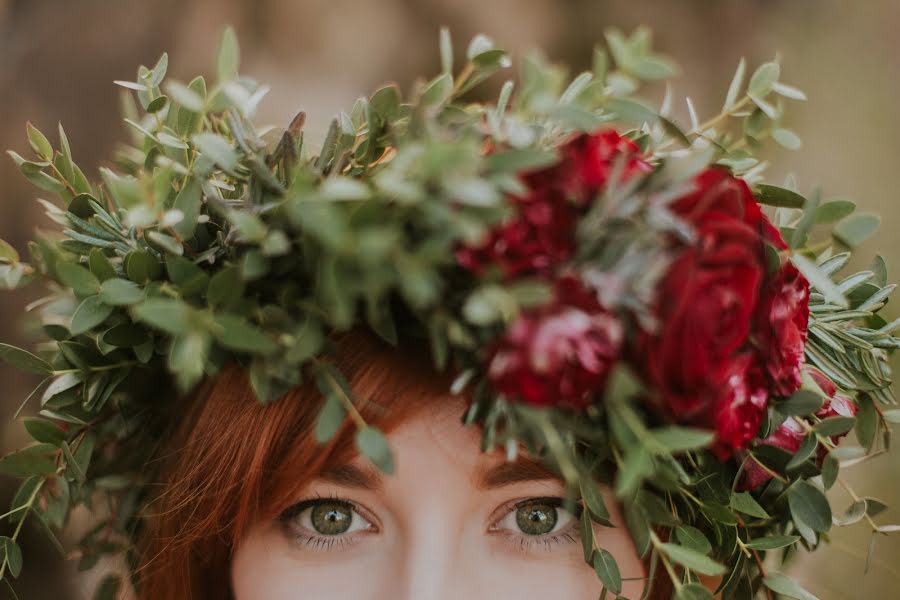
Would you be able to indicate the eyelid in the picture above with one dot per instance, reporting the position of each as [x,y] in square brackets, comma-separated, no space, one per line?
[507,507]
[289,515]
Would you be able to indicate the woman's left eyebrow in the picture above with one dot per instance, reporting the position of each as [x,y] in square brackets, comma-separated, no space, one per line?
[352,476]
[508,473]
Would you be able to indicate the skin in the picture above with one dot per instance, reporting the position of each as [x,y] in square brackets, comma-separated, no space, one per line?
[443,526]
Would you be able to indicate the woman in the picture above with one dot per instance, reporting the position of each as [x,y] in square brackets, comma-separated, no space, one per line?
[250,493]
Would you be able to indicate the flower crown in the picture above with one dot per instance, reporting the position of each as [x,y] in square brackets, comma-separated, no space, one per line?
[614,299]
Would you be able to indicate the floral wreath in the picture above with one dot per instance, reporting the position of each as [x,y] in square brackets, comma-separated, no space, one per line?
[604,283]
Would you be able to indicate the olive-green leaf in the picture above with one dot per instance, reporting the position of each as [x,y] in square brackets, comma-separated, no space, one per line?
[607,570]
[693,591]
[39,142]
[169,315]
[772,543]
[374,446]
[44,431]
[693,538]
[22,359]
[217,148]
[237,333]
[81,280]
[13,555]
[778,196]
[784,585]
[331,417]
[856,229]
[228,56]
[120,292]
[800,403]
[809,506]
[678,439]
[747,504]
[31,460]
[91,312]
[692,559]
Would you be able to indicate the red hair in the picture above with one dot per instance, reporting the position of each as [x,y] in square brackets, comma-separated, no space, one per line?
[233,462]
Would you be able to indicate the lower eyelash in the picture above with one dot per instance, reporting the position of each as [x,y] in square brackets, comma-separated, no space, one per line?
[547,543]
[323,543]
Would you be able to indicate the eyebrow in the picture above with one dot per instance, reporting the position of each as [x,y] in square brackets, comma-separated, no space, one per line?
[352,476]
[509,473]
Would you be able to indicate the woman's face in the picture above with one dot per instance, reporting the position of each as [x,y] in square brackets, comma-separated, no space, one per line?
[452,522]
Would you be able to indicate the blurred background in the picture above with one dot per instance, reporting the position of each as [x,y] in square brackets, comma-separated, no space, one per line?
[58,59]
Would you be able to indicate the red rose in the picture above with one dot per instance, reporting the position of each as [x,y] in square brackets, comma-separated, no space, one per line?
[738,408]
[706,298]
[559,354]
[540,236]
[781,329]
[587,162]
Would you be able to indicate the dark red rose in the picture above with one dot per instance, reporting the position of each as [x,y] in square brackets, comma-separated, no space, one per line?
[587,162]
[540,235]
[559,354]
[781,329]
[707,297]
[790,434]
[738,408]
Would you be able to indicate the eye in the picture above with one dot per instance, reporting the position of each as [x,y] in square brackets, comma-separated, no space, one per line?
[325,517]
[536,517]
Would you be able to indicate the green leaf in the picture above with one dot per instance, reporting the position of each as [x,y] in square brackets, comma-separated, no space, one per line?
[856,229]
[607,570]
[44,431]
[217,149]
[24,360]
[806,449]
[91,312]
[772,543]
[81,280]
[12,554]
[819,280]
[809,506]
[185,96]
[678,439]
[39,142]
[31,460]
[237,333]
[747,504]
[692,559]
[228,56]
[169,315]
[854,513]
[593,500]
[782,584]
[120,292]
[833,211]
[735,87]
[787,138]
[773,195]
[519,160]
[834,425]
[100,266]
[693,591]
[374,446]
[801,403]
[763,78]
[331,417]
[693,538]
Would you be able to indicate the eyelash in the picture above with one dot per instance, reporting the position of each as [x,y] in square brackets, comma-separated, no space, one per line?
[523,542]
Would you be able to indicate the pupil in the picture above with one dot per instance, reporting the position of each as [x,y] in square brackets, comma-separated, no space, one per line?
[536,518]
[331,518]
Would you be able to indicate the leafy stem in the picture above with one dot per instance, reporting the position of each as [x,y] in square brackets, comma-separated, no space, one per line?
[15,536]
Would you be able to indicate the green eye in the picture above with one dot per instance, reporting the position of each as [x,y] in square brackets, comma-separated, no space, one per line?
[331,518]
[537,517]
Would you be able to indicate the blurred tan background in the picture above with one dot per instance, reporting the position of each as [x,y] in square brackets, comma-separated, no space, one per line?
[58,59]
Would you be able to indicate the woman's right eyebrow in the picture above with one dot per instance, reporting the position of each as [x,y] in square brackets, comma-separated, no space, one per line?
[352,476]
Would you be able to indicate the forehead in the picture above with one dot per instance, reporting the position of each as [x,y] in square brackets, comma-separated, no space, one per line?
[434,444]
